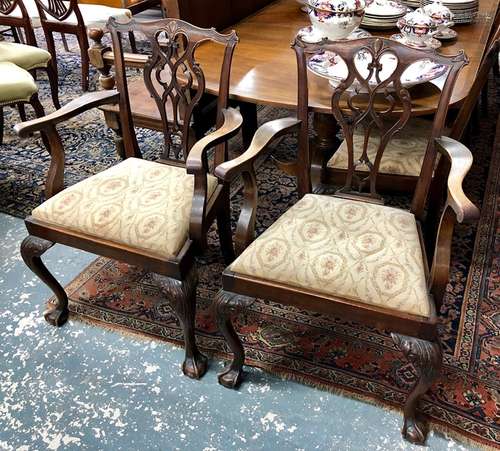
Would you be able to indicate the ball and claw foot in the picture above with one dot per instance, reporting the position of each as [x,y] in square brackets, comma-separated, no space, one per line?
[415,431]
[195,366]
[230,377]
[56,316]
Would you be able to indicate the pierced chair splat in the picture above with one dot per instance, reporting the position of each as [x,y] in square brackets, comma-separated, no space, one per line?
[349,255]
[154,214]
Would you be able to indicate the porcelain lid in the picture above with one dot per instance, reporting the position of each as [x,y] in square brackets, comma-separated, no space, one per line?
[338,5]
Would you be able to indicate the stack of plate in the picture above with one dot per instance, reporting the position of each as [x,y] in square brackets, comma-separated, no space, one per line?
[464,11]
[412,3]
[383,14]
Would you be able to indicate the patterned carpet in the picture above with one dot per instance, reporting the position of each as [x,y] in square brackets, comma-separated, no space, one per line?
[308,347]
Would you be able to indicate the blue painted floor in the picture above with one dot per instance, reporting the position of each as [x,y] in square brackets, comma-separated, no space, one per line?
[83,387]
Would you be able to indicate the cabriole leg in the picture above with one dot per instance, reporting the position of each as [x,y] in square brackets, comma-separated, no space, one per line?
[32,248]
[182,297]
[426,357]
[225,304]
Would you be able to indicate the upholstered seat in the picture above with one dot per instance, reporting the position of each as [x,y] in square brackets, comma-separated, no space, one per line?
[403,155]
[138,203]
[343,248]
[16,84]
[26,56]
[98,15]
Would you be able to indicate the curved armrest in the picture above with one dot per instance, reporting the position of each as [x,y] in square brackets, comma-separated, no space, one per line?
[457,208]
[263,137]
[196,159]
[71,109]
[461,159]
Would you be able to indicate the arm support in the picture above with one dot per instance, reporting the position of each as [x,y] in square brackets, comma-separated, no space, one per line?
[197,164]
[460,159]
[458,208]
[197,159]
[47,126]
[71,109]
[244,166]
[263,137]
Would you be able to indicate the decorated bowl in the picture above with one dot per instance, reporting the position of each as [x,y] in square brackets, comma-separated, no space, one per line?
[417,27]
[440,13]
[336,19]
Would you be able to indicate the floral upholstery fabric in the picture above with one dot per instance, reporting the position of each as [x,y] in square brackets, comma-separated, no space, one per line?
[26,56]
[365,252]
[16,84]
[138,203]
[403,155]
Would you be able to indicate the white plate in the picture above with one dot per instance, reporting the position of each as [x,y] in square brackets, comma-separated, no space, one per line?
[331,66]
[312,36]
[385,8]
[446,35]
[430,44]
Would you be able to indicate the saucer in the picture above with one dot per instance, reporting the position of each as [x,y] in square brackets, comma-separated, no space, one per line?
[446,35]
[431,44]
[312,36]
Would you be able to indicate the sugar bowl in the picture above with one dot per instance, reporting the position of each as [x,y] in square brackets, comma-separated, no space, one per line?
[336,19]
[442,15]
[417,28]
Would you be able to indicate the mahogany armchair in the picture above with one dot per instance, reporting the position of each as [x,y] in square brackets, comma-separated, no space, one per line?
[400,168]
[152,214]
[349,255]
[73,18]
[17,14]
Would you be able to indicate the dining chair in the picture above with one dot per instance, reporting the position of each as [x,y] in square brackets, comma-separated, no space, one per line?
[23,15]
[348,254]
[402,161]
[153,214]
[17,87]
[70,17]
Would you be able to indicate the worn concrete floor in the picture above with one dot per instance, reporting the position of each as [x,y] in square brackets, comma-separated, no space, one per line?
[83,387]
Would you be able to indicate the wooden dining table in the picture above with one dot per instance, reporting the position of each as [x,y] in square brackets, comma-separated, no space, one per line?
[264,70]
[264,65]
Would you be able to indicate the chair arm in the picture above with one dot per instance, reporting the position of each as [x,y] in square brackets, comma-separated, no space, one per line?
[244,166]
[263,137]
[460,158]
[196,160]
[71,109]
[458,208]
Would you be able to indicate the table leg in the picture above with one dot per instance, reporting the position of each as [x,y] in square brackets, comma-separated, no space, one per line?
[323,147]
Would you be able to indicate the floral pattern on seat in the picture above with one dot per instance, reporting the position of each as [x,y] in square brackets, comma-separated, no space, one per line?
[343,248]
[403,155]
[138,203]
